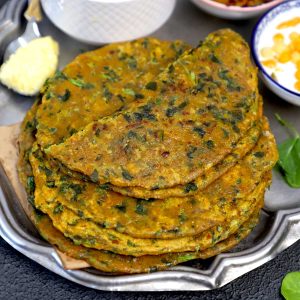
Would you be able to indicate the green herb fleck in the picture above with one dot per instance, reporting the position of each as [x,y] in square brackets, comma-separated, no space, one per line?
[152,85]
[81,83]
[140,208]
[182,217]
[110,75]
[214,58]
[65,96]
[30,184]
[60,75]
[190,187]
[52,129]
[130,243]
[186,257]
[210,144]
[126,175]
[94,176]
[50,184]
[121,207]
[58,209]
[129,92]
[191,151]
[171,111]
[231,84]
[132,62]
[201,132]
[104,186]
[107,93]
[259,154]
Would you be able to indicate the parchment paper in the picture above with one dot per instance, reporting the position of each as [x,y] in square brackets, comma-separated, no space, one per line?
[8,159]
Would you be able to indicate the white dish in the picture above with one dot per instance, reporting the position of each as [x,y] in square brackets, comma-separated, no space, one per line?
[233,12]
[107,21]
[262,35]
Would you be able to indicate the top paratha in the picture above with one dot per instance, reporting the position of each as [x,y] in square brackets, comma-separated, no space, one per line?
[206,100]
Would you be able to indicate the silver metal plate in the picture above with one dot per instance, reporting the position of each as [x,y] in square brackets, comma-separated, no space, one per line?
[279,226]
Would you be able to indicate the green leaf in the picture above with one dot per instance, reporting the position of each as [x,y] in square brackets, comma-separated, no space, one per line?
[290,287]
[289,161]
[289,156]
[287,125]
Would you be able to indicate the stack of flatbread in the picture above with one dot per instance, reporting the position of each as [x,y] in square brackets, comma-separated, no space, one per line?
[145,154]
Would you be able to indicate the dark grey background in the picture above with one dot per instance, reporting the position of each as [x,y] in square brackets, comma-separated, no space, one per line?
[21,278]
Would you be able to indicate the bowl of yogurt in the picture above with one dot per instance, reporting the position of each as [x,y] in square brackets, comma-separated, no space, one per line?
[276,50]
[99,22]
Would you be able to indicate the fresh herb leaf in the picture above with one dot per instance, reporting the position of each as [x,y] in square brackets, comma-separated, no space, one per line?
[289,156]
[290,287]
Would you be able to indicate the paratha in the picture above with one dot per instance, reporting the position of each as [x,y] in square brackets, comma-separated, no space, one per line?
[98,83]
[96,236]
[164,218]
[127,221]
[113,263]
[206,99]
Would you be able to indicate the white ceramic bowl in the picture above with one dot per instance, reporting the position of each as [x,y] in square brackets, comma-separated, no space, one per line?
[234,12]
[261,33]
[106,21]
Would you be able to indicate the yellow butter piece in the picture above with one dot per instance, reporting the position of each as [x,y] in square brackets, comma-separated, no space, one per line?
[28,68]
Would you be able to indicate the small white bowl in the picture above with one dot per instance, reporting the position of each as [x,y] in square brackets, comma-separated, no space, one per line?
[260,33]
[234,12]
[107,21]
